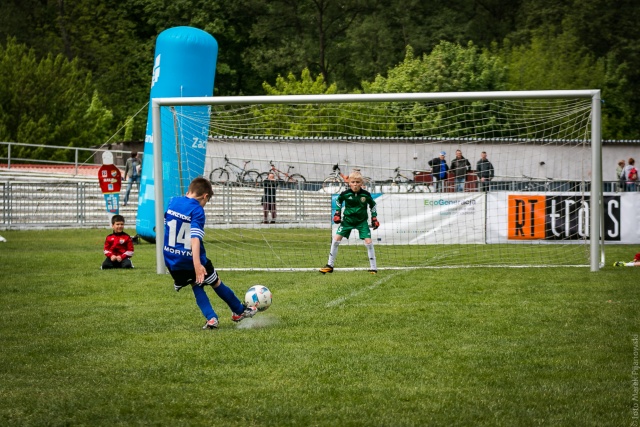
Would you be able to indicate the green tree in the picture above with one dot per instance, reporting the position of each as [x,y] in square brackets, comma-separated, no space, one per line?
[450,67]
[554,62]
[299,34]
[49,101]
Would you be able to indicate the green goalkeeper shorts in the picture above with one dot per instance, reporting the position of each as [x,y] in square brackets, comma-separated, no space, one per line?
[363,230]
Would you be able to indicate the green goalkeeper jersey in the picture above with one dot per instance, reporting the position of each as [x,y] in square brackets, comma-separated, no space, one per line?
[355,206]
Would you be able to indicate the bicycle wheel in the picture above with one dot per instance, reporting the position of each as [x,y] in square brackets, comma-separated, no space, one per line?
[251,178]
[296,181]
[219,176]
[369,184]
[403,183]
[401,179]
[333,184]
[262,177]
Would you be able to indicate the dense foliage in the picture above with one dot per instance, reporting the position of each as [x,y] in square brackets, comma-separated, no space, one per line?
[353,45]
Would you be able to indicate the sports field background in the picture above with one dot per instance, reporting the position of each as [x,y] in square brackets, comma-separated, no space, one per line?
[438,347]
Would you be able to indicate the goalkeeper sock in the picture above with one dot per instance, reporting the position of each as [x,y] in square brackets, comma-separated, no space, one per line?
[227,295]
[203,302]
[333,253]
[372,256]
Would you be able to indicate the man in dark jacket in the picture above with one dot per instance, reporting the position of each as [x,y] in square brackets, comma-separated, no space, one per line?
[460,166]
[484,169]
[439,170]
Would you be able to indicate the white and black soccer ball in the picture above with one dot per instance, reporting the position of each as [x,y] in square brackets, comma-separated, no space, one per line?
[258,296]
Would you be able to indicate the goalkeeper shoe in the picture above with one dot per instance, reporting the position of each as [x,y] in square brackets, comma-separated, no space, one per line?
[211,324]
[618,264]
[326,269]
[248,312]
[373,271]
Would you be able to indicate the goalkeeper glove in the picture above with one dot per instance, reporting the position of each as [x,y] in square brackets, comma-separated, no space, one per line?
[374,223]
[336,217]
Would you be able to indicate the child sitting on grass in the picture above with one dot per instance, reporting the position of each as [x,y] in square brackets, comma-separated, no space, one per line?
[118,246]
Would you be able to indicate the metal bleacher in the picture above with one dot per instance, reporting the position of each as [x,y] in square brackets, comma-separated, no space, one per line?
[44,200]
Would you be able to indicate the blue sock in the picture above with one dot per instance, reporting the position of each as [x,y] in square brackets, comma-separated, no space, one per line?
[230,298]
[203,302]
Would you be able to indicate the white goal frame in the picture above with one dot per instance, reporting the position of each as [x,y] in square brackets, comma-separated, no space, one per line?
[596,205]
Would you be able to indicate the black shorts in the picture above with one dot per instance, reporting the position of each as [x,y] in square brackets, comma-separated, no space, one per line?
[183,278]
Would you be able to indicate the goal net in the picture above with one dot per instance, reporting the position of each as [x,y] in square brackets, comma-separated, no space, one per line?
[523,185]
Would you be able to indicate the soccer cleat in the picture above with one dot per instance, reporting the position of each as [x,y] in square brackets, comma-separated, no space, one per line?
[373,271]
[211,324]
[248,312]
[326,269]
[618,264]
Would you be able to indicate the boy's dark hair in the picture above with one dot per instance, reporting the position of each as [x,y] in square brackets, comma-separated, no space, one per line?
[200,186]
[134,154]
[117,218]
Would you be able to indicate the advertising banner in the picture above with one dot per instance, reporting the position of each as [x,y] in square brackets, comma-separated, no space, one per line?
[555,217]
[427,218]
[503,217]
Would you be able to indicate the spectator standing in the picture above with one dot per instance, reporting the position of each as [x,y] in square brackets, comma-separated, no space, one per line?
[631,174]
[269,198]
[485,172]
[460,166]
[439,170]
[620,175]
[132,170]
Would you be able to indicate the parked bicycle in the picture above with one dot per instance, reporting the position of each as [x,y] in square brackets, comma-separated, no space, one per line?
[401,180]
[336,182]
[285,179]
[242,175]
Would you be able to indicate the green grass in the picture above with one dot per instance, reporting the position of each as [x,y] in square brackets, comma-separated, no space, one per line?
[474,346]
[286,248]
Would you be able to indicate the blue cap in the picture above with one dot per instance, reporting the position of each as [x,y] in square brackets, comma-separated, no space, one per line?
[442,153]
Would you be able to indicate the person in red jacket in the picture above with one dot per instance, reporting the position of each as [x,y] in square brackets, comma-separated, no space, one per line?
[118,246]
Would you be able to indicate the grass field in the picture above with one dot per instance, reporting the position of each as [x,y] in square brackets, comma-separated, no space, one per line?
[432,347]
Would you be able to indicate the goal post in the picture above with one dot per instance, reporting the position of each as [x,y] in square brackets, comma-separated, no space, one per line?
[433,118]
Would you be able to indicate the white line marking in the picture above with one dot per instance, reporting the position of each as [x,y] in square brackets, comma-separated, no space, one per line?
[360,291]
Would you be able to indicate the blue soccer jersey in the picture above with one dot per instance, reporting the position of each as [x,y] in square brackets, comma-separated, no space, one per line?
[183,220]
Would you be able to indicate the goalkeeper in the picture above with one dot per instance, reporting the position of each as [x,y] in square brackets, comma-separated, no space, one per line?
[356,200]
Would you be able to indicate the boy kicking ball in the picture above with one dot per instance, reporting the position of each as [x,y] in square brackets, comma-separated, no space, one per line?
[356,200]
[186,258]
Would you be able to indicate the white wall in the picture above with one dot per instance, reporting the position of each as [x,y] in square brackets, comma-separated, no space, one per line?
[313,158]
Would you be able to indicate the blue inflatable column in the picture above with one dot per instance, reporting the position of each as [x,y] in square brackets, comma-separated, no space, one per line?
[184,66]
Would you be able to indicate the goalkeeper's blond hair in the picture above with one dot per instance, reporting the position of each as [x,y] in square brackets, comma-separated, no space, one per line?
[355,176]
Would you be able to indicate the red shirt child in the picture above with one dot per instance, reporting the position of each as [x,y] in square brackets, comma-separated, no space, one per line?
[118,246]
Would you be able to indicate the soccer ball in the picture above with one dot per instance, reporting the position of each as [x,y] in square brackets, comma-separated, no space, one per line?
[258,296]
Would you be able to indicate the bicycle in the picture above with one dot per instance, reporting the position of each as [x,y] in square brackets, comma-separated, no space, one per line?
[287,179]
[243,176]
[337,183]
[421,180]
[399,179]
